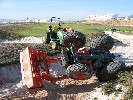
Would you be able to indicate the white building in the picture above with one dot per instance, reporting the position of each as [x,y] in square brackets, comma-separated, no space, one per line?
[129,17]
[121,18]
[102,17]
[40,20]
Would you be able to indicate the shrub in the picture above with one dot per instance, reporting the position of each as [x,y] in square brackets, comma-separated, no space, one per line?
[9,32]
[10,52]
[126,78]
[108,88]
[129,94]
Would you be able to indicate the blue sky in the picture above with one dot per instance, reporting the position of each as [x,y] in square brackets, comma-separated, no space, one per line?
[65,9]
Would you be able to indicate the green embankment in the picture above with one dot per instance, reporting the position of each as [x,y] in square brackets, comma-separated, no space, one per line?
[37,29]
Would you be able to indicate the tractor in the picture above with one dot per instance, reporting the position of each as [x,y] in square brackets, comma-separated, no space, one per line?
[62,37]
[78,62]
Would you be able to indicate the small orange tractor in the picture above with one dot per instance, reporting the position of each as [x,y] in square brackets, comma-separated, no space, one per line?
[77,62]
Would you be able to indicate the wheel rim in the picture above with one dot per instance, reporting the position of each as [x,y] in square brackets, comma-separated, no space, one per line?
[68,42]
[77,43]
[79,75]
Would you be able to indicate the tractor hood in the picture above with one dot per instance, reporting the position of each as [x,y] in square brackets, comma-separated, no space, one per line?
[60,35]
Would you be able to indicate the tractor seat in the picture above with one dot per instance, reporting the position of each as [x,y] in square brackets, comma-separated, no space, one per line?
[54,33]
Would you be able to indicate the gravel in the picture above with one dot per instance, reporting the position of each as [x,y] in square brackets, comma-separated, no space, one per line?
[29,39]
[123,50]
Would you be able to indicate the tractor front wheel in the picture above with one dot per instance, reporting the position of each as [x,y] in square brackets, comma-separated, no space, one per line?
[79,71]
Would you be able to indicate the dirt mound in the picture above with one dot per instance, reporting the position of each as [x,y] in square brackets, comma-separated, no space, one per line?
[10,51]
[113,22]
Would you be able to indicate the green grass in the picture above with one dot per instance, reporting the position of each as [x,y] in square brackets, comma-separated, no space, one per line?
[38,29]
[86,28]
[124,28]
[34,30]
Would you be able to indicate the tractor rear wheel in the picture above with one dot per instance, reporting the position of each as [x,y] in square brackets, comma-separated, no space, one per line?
[103,41]
[79,71]
[74,37]
[110,71]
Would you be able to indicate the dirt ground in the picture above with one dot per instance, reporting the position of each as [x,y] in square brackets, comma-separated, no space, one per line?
[72,90]
[69,89]
[113,22]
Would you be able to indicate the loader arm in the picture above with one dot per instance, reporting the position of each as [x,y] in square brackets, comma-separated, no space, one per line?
[32,76]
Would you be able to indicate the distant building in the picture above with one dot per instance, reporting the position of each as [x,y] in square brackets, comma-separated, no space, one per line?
[129,17]
[41,20]
[102,17]
[121,18]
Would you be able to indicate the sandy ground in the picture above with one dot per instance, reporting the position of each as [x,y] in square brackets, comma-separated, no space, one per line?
[123,51]
[71,89]
[74,90]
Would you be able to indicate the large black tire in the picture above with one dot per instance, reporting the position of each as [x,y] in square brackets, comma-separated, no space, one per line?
[74,37]
[110,71]
[103,41]
[81,69]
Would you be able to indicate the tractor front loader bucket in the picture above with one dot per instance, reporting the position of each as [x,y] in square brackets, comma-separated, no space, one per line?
[31,75]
